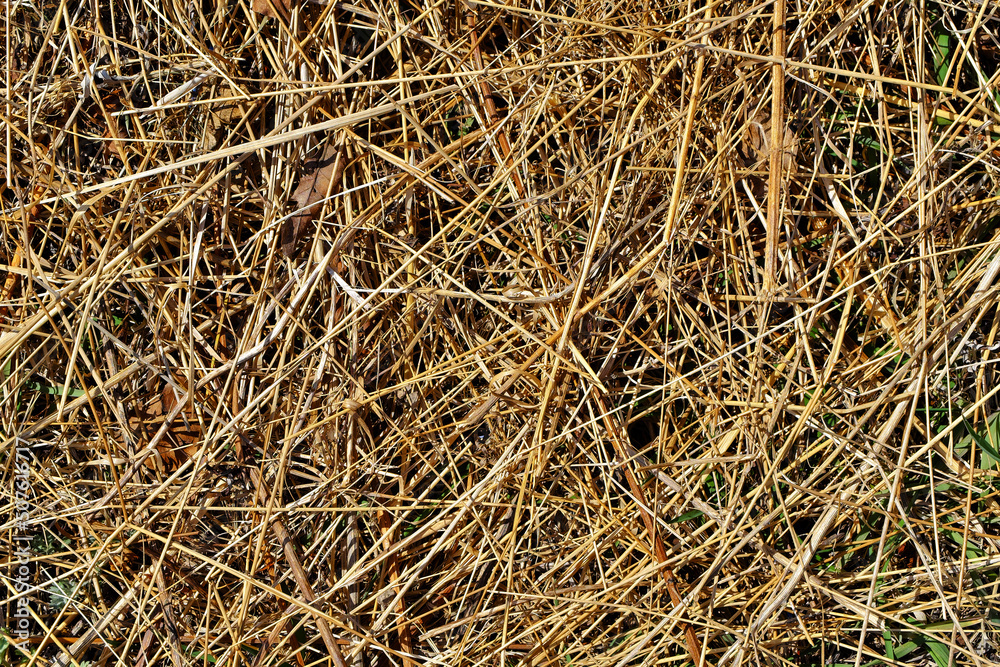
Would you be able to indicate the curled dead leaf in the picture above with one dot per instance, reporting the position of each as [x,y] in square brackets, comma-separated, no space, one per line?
[757,140]
[182,439]
[222,114]
[273,8]
[322,179]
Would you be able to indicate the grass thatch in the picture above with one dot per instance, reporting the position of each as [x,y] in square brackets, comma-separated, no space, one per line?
[540,333]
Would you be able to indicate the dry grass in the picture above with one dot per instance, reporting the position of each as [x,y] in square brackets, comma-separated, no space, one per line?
[543,333]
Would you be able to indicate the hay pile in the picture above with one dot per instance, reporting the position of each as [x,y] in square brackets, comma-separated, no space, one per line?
[491,334]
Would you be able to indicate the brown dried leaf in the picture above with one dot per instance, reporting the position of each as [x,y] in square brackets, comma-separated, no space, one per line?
[181,441]
[223,114]
[322,179]
[758,140]
[268,7]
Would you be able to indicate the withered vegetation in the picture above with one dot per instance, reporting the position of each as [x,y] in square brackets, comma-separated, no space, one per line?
[486,333]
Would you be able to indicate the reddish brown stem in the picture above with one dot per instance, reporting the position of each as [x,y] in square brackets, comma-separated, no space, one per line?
[489,106]
[659,550]
[298,573]
[776,175]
